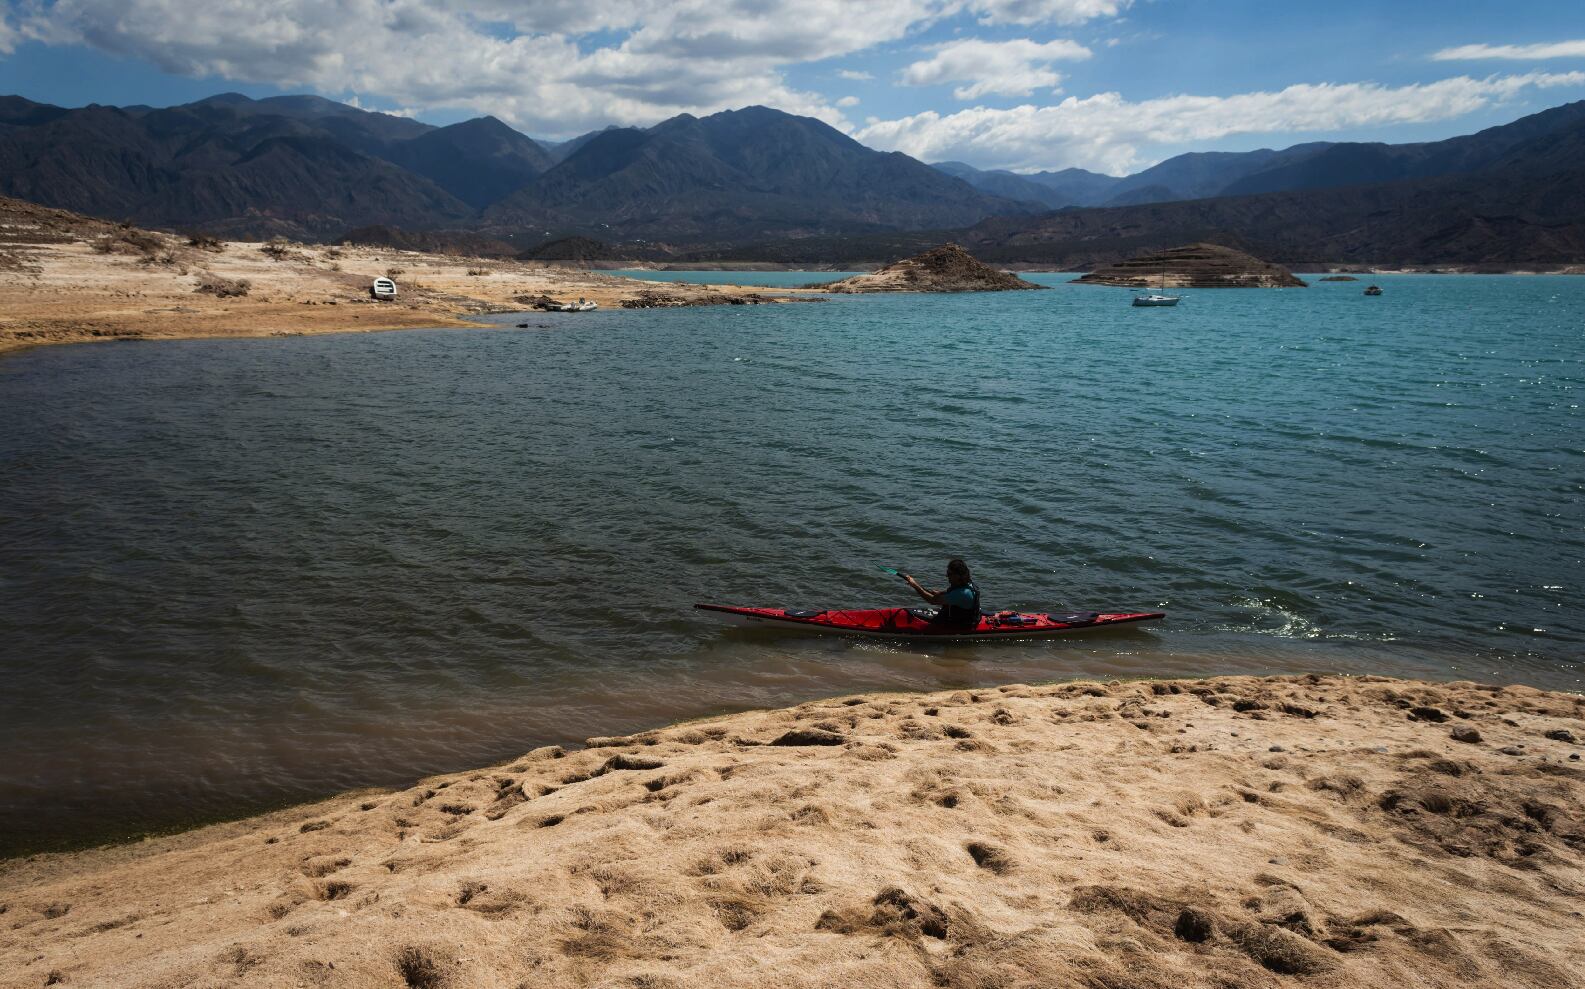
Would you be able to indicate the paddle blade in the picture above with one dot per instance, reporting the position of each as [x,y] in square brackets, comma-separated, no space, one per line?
[894,572]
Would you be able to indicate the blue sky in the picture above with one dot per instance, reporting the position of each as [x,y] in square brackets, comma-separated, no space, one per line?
[1112,85]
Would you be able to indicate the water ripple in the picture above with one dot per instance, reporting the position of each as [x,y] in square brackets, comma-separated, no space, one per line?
[237,573]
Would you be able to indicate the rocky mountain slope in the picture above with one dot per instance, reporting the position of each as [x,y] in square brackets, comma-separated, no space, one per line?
[228,164]
[763,185]
[1328,166]
[311,168]
[1317,165]
[1066,187]
[1527,207]
[1199,174]
[479,161]
[737,175]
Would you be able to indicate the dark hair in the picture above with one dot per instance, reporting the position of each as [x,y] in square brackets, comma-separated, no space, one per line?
[958,573]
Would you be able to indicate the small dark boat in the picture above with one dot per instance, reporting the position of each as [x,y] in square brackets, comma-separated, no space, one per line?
[1373,290]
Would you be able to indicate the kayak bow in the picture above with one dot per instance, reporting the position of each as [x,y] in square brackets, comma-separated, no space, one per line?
[918,623]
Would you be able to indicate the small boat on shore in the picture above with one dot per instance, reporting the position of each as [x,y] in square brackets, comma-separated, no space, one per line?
[919,624]
[383,289]
[582,305]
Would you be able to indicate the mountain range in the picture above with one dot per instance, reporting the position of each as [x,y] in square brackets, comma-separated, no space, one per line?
[309,167]
[735,175]
[1054,190]
[789,188]
[1513,194]
[1508,195]
[1318,165]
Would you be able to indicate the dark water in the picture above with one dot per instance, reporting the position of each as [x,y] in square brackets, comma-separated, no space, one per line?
[237,573]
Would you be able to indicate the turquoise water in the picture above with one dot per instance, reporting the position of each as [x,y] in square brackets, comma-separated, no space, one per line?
[771,279]
[242,572]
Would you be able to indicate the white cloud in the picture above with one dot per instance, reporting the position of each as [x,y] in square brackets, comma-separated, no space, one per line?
[559,67]
[8,37]
[401,111]
[559,16]
[1549,49]
[1011,68]
[1105,131]
[749,29]
[554,67]
[1027,12]
[532,64]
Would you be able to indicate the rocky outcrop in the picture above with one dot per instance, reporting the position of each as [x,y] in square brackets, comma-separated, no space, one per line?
[1194,266]
[948,268]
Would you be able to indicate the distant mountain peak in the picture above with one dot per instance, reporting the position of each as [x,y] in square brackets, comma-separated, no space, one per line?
[1054,190]
[757,111]
[484,124]
[755,172]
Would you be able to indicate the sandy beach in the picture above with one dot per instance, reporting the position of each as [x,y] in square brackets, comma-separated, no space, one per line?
[1294,830]
[66,278]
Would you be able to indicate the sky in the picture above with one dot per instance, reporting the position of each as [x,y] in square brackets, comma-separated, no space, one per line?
[1108,85]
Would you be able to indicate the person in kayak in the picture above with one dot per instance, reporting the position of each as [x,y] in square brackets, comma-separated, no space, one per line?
[960,602]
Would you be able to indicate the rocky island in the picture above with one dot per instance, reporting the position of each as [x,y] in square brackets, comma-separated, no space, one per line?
[1194,266]
[948,268]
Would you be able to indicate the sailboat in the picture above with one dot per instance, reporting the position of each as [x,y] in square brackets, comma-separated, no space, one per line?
[1157,298]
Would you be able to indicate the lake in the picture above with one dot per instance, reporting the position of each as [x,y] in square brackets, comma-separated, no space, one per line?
[240,573]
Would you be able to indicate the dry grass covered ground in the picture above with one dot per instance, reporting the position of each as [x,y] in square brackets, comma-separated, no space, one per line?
[1314,831]
[66,278]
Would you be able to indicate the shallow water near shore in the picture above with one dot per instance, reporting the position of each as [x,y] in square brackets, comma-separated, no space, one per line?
[237,573]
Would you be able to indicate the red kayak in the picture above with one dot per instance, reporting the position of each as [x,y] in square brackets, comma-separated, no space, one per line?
[918,623]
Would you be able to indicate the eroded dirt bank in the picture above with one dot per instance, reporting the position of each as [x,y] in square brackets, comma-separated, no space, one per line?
[66,278]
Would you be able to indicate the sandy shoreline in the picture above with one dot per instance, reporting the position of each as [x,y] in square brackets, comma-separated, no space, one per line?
[1236,831]
[66,278]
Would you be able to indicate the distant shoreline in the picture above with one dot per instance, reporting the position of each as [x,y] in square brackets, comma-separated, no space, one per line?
[66,278]
[1298,268]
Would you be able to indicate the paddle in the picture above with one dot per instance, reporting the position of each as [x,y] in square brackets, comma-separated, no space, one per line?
[894,572]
